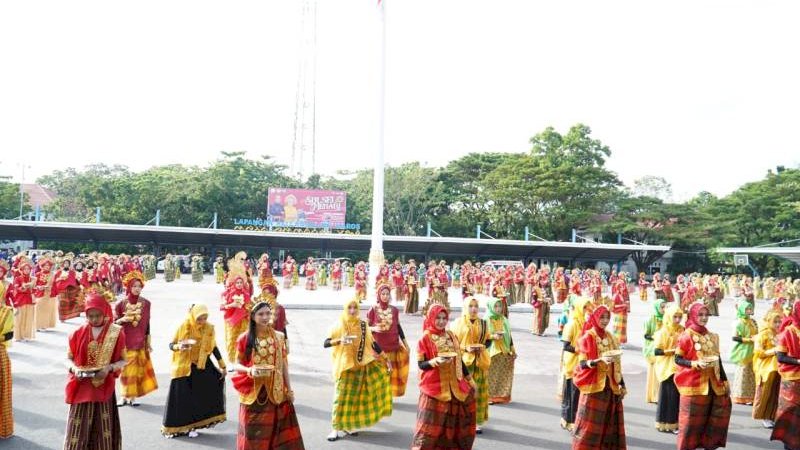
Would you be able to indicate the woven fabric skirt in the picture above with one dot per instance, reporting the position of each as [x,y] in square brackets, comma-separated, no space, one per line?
[600,423]
[481,393]
[363,397]
[501,378]
[399,375]
[194,402]
[25,322]
[46,312]
[787,419]
[703,421]
[541,318]
[6,412]
[70,303]
[138,378]
[265,425]
[232,333]
[669,402]
[412,302]
[444,425]
[765,405]
[621,327]
[93,426]
[743,389]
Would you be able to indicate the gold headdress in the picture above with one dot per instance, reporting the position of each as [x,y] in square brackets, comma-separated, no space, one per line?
[236,269]
[132,276]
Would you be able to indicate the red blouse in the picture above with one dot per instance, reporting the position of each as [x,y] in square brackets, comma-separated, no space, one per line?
[84,351]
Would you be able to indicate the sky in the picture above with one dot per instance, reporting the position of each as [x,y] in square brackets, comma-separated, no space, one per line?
[703,93]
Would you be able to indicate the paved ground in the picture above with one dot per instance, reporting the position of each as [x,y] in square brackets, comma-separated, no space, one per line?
[531,421]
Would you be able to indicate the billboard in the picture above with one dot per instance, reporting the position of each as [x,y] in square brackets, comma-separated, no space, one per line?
[306,207]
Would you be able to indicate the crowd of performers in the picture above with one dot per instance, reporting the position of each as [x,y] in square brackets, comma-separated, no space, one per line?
[465,363]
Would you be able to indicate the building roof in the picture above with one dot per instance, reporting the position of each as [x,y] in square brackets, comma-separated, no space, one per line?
[417,245]
[38,195]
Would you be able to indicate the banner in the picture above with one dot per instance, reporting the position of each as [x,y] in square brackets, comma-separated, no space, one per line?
[306,207]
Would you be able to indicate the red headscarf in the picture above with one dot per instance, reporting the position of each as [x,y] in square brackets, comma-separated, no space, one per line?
[430,319]
[793,318]
[98,302]
[594,321]
[691,320]
[382,287]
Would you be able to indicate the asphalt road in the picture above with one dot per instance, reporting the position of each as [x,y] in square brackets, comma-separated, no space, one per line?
[530,421]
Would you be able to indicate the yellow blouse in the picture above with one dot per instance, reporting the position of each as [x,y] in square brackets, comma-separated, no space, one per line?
[765,361]
[470,332]
[666,340]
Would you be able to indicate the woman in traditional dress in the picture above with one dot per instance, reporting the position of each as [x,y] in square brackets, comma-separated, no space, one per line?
[288,270]
[570,395]
[363,387]
[22,299]
[652,325]
[361,282]
[6,334]
[765,366]
[236,307]
[540,300]
[643,284]
[46,308]
[219,270]
[96,357]
[560,284]
[705,409]
[620,309]
[502,353]
[787,418]
[744,382]
[665,341]
[600,422]
[336,276]
[67,286]
[267,418]
[197,269]
[351,275]
[446,408]
[384,321]
[133,314]
[412,282]
[311,275]
[196,397]
[473,337]
[169,268]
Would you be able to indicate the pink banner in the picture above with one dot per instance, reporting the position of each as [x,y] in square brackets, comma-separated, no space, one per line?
[306,207]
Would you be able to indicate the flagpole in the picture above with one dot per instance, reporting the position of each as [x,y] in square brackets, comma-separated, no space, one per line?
[376,257]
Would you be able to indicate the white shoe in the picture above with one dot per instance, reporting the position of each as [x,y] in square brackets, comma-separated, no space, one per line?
[768,424]
[335,435]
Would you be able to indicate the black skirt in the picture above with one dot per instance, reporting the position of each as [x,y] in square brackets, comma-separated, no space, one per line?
[570,396]
[194,402]
[669,401]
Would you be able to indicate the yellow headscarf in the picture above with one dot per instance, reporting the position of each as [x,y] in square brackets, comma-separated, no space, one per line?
[668,322]
[766,321]
[578,314]
[470,329]
[206,342]
[359,352]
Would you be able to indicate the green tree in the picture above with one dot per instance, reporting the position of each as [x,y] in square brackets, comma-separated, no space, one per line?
[9,200]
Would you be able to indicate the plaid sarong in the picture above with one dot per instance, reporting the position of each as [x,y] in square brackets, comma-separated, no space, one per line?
[600,422]
[399,375]
[363,397]
[703,421]
[268,426]
[138,377]
[501,378]
[481,379]
[787,420]
[93,426]
[444,425]
[621,327]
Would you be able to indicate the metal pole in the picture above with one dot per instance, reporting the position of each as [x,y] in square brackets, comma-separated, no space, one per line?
[215,221]
[21,191]
[526,233]
[97,215]
[429,228]
[619,238]
[478,231]
[574,235]
[158,217]
[376,257]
